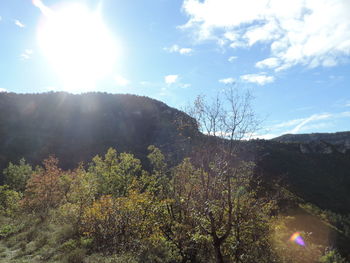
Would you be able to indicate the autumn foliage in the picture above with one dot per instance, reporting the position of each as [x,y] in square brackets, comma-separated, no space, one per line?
[205,209]
[43,190]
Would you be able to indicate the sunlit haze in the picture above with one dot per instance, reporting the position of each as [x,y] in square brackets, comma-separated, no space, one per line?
[77,44]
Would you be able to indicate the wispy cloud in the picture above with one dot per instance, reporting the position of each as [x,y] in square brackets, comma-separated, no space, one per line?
[312,123]
[260,79]
[232,58]
[121,81]
[305,32]
[43,8]
[19,23]
[178,49]
[312,118]
[268,63]
[26,54]
[227,81]
[171,79]
[3,90]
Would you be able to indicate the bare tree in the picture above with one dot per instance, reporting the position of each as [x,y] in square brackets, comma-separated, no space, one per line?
[228,116]
[219,200]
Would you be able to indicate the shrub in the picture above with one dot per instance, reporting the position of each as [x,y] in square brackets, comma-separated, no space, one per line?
[9,201]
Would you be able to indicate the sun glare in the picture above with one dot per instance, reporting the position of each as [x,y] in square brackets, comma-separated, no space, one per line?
[77,44]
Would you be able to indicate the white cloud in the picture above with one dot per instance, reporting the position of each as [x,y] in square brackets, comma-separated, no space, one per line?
[260,79]
[307,32]
[312,123]
[268,63]
[121,81]
[180,50]
[227,81]
[289,123]
[171,79]
[232,58]
[3,90]
[19,23]
[312,118]
[26,54]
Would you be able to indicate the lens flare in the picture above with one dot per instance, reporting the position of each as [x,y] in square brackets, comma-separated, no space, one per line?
[296,238]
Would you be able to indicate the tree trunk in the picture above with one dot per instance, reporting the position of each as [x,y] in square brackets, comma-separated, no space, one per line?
[218,254]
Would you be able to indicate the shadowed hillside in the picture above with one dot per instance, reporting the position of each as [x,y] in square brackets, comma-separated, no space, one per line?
[77,127]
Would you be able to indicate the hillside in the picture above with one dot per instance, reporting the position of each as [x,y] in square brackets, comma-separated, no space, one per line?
[318,142]
[77,127]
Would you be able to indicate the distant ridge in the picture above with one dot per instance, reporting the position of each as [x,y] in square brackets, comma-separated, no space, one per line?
[336,138]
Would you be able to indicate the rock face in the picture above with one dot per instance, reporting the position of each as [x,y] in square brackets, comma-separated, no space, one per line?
[324,143]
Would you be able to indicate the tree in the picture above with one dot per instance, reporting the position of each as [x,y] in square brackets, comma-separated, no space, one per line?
[219,193]
[80,190]
[115,173]
[9,201]
[228,116]
[120,224]
[16,176]
[44,190]
[158,181]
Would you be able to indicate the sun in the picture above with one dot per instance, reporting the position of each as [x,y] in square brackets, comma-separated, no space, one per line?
[77,44]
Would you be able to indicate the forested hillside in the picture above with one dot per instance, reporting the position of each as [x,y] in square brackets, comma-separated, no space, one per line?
[77,127]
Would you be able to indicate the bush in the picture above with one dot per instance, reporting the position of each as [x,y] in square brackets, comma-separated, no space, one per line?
[7,230]
[69,245]
[332,256]
[9,201]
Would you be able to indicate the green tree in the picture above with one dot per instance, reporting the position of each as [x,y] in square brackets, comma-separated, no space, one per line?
[158,182]
[16,175]
[120,224]
[220,209]
[115,173]
[9,201]
[80,190]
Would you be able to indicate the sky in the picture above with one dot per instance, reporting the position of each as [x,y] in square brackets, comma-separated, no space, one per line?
[293,56]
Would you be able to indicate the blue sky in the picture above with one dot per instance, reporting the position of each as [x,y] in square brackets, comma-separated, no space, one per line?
[293,56]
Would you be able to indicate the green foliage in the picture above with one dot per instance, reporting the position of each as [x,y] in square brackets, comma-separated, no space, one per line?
[115,172]
[9,201]
[7,230]
[16,176]
[202,210]
[119,224]
[158,182]
[69,245]
[332,256]
[80,188]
